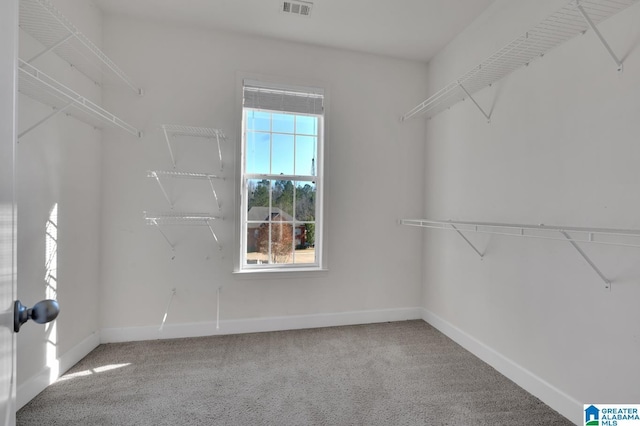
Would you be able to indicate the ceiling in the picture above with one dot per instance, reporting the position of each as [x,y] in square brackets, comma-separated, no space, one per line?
[407,29]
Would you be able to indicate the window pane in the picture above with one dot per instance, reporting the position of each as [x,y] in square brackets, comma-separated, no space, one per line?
[256,253]
[258,200]
[306,125]
[306,155]
[282,200]
[305,239]
[305,201]
[270,243]
[258,120]
[258,152]
[283,123]
[282,160]
[281,242]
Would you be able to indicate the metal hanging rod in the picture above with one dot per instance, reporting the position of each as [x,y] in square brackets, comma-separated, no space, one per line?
[182,219]
[573,19]
[43,88]
[202,132]
[157,174]
[45,23]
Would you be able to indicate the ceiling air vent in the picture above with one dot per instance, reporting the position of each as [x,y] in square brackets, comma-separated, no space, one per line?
[301,8]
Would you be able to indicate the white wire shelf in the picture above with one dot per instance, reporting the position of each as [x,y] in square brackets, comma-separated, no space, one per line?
[573,19]
[182,219]
[198,219]
[571,234]
[201,132]
[604,236]
[43,88]
[205,132]
[192,219]
[182,175]
[41,20]
[157,174]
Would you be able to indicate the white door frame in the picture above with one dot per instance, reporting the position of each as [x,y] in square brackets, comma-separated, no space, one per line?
[8,111]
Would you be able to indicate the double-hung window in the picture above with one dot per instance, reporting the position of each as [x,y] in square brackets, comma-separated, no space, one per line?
[281,172]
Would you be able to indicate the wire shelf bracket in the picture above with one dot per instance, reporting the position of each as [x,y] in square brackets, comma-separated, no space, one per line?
[607,283]
[43,88]
[487,116]
[574,235]
[157,174]
[575,18]
[49,49]
[195,219]
[45,23]
[467,241]
[172,130]
[593,27]
[55,112]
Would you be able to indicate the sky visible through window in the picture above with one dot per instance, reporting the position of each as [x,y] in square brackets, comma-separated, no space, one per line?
[281,143]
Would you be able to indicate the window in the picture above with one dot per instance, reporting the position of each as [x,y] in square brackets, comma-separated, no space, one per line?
[282,147]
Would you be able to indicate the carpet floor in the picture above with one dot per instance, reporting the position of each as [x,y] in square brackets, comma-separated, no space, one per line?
[400,373]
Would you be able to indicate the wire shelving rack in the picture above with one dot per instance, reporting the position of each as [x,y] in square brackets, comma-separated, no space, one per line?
[572,234]
[157,174]
[45,89]
[45,23]
[172,130]
[573,19]
[182,219]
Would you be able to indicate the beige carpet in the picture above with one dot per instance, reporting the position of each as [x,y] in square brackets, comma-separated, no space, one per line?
[403,373]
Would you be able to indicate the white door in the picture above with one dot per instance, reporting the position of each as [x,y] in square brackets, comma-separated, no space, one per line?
[8,55]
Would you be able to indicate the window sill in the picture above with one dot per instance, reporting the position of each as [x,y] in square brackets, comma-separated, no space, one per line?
[262,274]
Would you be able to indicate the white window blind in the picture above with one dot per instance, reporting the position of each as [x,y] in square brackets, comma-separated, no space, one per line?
[258,95]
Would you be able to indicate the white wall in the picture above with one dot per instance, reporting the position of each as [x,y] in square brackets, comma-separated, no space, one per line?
[373,177]
[561,149]
[58,163]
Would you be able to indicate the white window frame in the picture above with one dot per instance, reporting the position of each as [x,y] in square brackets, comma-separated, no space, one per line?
[319,265]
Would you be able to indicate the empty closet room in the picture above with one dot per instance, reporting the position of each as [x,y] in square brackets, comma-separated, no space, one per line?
[429,181]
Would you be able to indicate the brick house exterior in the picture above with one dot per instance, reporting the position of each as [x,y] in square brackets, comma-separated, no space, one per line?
[259,216]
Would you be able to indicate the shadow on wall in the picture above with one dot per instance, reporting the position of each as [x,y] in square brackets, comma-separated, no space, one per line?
[51,289]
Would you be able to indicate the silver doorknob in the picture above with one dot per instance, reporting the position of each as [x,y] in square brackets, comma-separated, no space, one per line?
[42,313]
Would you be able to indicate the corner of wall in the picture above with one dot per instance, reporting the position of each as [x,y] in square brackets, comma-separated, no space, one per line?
[535,385]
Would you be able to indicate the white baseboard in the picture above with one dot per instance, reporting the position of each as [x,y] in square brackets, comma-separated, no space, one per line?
[547,393]
[36,384]
[256,325]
